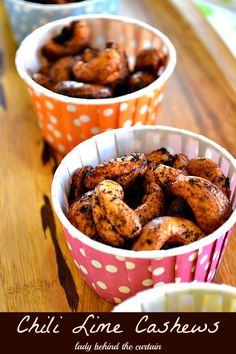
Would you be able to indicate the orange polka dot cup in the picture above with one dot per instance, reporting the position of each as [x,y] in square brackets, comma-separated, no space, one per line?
[67,121]
[117,274]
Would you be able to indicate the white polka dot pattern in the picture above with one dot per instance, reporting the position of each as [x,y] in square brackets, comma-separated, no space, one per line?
[83,269]
[71,108]
[85,118]
[108,112]
[192,256]
[96,264]
[124,289]
[82,251]
[120,258]
[111,268]
[203,259]
[49,104]
[158,271]
[143,109]
[129,265]
[147,282]
[123,106]
[101,285]
[77,122]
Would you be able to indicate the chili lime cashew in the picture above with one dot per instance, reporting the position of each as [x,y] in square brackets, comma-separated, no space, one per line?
[44,80]
[124,219]
[107,67]
[139,80]
[105,229]
[77,184]
[149,59]
[80,215]
[89,53]
[155,158]
[117,169]
[180,162]
[61,70]
[165,175]
[81,90]
[210,206]
[70,41]
[167,231]
[153,204]
[160,156]
[209,169]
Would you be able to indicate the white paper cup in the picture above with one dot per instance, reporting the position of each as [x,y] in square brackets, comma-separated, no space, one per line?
[116,274]
[185,297]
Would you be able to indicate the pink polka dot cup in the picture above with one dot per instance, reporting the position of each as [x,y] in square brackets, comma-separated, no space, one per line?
[67,121]
[116,274]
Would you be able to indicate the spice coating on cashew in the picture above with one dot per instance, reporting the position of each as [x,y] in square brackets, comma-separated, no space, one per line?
[81,90]
[105,229]
[208,169]
[165,175]
[148,59]
[139,80]
[180,162]
[80,215]
[115,169]
[107,67]
[210,206]
[70,41]
[120,215]
[153,204]
[167,230]
[160,156]
[61,70]
[44,81]
[77,183]
[155,158]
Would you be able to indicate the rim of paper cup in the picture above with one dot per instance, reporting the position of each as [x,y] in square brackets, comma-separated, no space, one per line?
[158,83]
[142,297]
[46,7]
[154,254]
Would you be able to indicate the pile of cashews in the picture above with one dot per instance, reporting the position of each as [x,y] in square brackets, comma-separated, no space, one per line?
[149,201]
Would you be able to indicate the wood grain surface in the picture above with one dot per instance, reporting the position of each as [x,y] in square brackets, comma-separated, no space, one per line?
[37,272]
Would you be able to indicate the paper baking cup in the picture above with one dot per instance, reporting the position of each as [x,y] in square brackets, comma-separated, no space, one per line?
[66,121]
[26,16]
[185,297]
[116,274]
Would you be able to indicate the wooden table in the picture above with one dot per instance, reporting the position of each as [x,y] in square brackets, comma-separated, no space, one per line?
[37,272]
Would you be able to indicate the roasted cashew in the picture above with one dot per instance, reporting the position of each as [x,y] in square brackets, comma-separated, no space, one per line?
[61,70]
[148,59]
[209,169]
[77,184]
[180,162]
[167,231]
[70,41]
[139,80]
[116,169]
[153,204]
[80,215]
[210,206]
[120,215]
[105,68]
[81,90]
[105,229]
